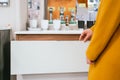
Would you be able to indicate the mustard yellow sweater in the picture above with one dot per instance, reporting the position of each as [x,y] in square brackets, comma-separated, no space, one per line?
[107,21]
[104,47]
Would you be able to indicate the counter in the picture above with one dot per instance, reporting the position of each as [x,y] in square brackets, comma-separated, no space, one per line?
[49,35]
[4,28]
[51,32]
[48,52]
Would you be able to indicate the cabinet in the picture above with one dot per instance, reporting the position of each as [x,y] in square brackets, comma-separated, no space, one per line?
[5,54]
[48,54]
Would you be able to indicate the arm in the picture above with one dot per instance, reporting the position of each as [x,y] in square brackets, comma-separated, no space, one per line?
[107,22]
[92,28]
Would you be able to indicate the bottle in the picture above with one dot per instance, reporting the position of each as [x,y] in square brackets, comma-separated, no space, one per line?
[62,13]
[72,15]
[67,20]
[51,13]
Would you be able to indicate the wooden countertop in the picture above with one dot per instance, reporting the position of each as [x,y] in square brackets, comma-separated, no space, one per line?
[64,35]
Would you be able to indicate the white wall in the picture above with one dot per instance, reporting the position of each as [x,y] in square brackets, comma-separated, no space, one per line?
[15,15]
[8,14]
[21,14]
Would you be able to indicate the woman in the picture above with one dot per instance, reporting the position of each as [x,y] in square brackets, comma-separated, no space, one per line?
[103,53]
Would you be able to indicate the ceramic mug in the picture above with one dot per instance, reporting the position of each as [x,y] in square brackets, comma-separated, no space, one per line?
[44,24]
[56,24]
[33,23]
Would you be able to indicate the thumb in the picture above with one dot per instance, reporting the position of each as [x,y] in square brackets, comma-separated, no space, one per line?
[82,36]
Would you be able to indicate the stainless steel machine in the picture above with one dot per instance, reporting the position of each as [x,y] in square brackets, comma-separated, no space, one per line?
[4,54]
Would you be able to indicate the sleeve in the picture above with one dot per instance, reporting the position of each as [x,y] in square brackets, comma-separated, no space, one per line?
[92,28]
[106,23]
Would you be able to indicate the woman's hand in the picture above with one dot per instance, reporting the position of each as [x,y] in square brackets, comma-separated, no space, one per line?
[89,61]
[86,35]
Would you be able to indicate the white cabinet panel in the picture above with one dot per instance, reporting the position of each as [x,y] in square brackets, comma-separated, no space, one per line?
[36,57]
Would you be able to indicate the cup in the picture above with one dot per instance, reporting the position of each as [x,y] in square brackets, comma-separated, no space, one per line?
[44,24]
[90,24]
[33,23]
[81,24]
[56,24]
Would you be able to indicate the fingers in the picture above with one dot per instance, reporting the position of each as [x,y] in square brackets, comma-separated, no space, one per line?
[86,35]
[89,61]
[86,38]
[82,36]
